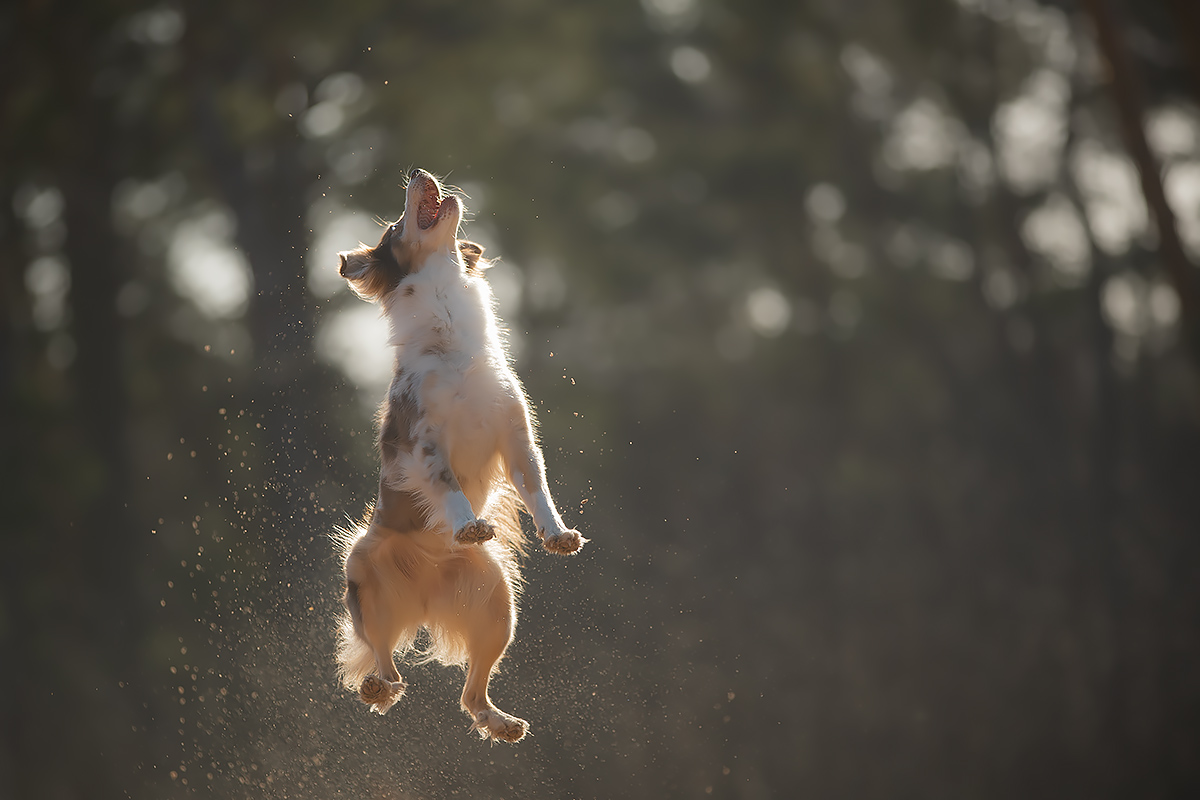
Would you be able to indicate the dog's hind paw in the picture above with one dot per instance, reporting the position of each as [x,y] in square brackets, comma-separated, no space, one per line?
[475,532]
[564,543]
[379,694]
[494,724]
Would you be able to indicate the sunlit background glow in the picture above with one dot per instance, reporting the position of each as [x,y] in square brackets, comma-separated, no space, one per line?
[851,335]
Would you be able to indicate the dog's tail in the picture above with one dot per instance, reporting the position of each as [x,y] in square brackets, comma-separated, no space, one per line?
[355,658]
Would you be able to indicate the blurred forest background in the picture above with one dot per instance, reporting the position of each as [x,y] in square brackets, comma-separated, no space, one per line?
[863,336]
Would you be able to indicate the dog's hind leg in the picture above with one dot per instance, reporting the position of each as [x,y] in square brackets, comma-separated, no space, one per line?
[376,623]
[488,631]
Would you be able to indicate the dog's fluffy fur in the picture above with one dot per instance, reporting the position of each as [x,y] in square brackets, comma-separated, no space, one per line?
[439,549]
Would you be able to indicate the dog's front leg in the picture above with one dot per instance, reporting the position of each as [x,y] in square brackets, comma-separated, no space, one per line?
[446,498]
[527,471]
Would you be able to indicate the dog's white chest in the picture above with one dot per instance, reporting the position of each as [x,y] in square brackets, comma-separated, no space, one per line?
[449,345]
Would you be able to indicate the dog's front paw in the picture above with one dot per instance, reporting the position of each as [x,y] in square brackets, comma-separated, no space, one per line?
[475,532]
[379,694]
[565,543]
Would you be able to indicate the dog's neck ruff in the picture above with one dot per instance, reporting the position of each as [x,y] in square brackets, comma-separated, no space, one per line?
[441,308]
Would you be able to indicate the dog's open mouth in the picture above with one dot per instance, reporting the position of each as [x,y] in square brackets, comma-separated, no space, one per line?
[430,206]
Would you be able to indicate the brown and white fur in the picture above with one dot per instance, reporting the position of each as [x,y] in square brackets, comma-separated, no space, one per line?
[439,549]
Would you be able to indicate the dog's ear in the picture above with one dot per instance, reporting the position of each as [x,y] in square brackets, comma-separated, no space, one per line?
[369,275]
[472,255]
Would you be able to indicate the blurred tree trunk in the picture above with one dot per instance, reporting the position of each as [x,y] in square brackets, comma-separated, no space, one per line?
[77,618]
[265,184]
[996,220]
[17,444]
[1099,547]
[1106,421]
[1187,15]
[1126,91]
[100,400]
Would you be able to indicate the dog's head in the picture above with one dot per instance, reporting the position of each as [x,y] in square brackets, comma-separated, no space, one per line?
[428,226]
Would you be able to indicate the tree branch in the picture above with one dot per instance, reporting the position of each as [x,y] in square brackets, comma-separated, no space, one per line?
[1126,92]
